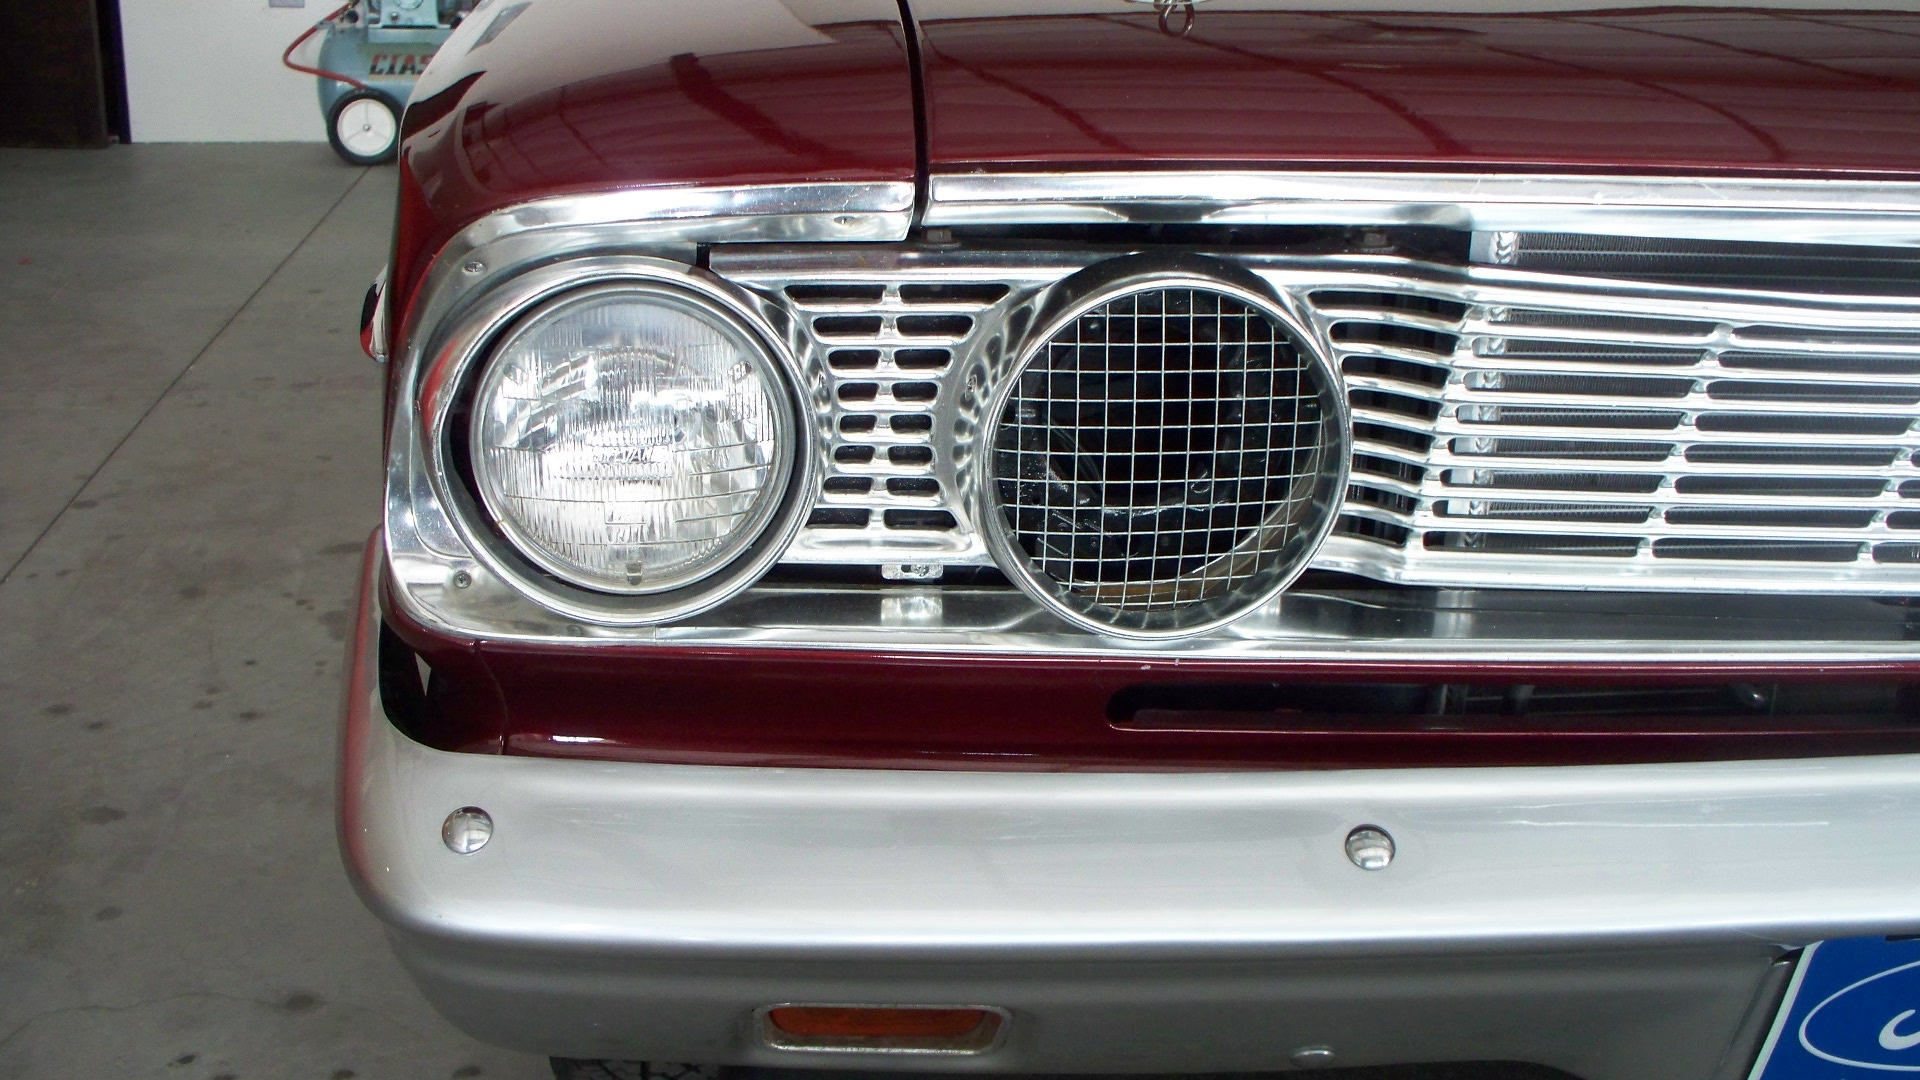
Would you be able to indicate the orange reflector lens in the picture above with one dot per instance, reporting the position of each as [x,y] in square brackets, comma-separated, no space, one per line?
[932,1027]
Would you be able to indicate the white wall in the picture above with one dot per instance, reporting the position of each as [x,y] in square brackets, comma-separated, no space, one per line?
[209,71]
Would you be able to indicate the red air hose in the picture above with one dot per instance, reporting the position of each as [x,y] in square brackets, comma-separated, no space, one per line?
[287,57]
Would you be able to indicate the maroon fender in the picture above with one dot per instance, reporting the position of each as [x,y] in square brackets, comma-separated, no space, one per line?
[1642,89]
[568,96]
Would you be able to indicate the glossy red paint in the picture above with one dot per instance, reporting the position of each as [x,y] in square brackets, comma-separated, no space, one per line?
[1100,83]
[564,96]
[850,709]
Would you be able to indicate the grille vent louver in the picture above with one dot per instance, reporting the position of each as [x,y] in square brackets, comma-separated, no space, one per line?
[887,347]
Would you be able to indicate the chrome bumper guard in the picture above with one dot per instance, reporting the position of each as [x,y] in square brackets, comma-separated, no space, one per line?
[1617,922]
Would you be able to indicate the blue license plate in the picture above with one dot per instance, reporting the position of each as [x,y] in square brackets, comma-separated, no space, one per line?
[1851,1011]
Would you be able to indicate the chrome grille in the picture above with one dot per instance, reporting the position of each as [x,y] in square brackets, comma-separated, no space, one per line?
[1509,427]
[886,347]
[1719,448]
[1160,454]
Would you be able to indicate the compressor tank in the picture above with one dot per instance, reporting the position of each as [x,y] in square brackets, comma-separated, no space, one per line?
[387,59]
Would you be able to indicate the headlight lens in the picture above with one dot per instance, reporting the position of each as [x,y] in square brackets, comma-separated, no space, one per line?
[630,438]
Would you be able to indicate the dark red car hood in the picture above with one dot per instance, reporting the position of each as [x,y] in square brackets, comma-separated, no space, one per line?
[551,97]
[1104,83]
[556,96]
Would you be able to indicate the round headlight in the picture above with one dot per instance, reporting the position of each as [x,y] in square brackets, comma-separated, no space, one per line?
[631,437]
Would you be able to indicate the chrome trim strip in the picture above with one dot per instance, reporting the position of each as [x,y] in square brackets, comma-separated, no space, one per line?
[1440,628]
[763,212]
[1708,208]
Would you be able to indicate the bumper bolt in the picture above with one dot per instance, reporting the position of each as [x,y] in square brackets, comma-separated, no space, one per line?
[1370,847]
[467,830]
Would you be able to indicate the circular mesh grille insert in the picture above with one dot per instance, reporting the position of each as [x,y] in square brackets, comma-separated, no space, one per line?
[1157,459]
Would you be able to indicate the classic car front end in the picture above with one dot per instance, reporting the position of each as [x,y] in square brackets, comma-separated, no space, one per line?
[1115,538]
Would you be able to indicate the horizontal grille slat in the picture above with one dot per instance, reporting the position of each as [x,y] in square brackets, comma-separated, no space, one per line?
[1621,514]
[1857,368]
[1593,482]
[1557,385]
[1748,516]
[1706,534]
[1393,396]
[1607,353]
[1439,311]
[1810,268]
[1785,369]
[1771,549]
[1799,486]
[1657,499]
[1541,543]
[1800,457]
[1547,416]
[1574,461]
[1495,403]
[1625,327]
[1830,338]
[1812,393]
[1784,419]
[1572,453]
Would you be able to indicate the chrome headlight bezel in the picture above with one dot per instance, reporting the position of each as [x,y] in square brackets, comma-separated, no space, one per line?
[451,379]
[1088,290]
[498,502]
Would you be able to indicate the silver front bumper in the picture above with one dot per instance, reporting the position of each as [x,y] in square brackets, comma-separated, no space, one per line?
[1616,922]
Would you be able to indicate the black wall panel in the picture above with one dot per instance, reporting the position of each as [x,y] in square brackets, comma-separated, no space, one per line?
[52,74]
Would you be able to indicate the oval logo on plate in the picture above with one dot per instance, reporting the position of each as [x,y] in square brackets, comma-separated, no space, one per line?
[1871,1024]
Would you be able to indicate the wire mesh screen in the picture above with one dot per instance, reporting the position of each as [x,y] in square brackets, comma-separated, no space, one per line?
[1162,452]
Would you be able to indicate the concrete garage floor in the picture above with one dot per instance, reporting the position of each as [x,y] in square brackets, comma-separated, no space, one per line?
[189,444]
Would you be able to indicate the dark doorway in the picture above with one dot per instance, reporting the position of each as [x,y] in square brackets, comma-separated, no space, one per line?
[113,71]
[53,73]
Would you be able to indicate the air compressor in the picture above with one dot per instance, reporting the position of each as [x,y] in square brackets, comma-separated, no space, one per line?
[371,54]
